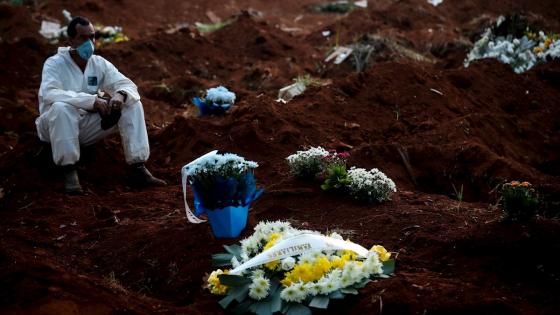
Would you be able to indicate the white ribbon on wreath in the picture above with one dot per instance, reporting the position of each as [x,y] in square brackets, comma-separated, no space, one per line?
[298,245]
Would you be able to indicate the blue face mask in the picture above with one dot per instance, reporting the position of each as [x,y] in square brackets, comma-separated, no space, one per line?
[85,50]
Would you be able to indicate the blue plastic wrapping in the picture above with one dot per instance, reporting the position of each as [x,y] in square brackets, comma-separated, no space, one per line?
[208,109]
[228,221]
[227,197]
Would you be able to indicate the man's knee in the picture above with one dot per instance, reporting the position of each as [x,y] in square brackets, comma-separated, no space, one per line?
[62,108]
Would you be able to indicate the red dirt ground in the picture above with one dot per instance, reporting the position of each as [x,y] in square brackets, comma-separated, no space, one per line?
[118,250]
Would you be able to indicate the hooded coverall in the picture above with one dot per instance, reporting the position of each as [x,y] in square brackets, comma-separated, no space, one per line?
[65,96]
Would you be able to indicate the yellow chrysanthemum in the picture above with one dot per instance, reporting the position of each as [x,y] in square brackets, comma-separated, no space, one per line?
[273,265]
[304,272]
[338,263]
[349,255]
[322,265]
[286,282]
[382,252]
[272,240]
[214,284]
[120,37]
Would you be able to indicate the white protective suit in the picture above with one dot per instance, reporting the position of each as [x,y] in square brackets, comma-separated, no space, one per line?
[66,93]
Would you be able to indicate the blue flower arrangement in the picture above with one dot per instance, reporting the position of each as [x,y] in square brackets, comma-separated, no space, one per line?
[217,101]
[224,187]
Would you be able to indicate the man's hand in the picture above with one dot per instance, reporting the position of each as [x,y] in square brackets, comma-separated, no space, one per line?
[102,107]
[116,101]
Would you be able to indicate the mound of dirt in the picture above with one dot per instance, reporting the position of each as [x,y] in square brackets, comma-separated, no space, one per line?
[16,22]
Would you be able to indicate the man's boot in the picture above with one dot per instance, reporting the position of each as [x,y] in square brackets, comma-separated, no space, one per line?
[141,177]
[71,181]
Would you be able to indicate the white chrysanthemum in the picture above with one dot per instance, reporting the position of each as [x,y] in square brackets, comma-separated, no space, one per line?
[520,53]
[307,163]
[257,273]
[262,282]
[353,271]
[552,52]
[372,185]
[220,95]
[301,290]
[258,289]
[248,246]
[288,263]
[334,274]
[253,244]
[224,164]
[372,264]
[257,293]
[313,288]
[328,285]
[349,267]
[292,293]
[268,227]
[308,258]
[345,281]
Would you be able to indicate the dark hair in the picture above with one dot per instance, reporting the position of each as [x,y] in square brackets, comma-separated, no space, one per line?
[71,29]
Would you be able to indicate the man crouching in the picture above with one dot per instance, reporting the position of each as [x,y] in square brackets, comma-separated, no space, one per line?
[72,113]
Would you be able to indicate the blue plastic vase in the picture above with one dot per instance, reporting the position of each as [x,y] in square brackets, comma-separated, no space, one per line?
[228,221]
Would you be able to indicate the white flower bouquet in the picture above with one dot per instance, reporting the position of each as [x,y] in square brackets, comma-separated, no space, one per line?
[365,186]
[521,50]
[307,163]
[217,101]
[370,186]
[283,269]
[222,184]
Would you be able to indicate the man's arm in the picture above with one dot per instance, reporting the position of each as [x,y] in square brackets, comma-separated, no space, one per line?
[115,82]
[52,90]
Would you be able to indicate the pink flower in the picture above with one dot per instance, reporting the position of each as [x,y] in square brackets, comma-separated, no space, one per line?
[343,155]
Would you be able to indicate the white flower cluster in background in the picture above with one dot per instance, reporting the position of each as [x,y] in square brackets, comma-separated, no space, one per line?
[307,163]
[515,52]
[220,95]
[548,48]
[372,185]
[520,53]
[227,164]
